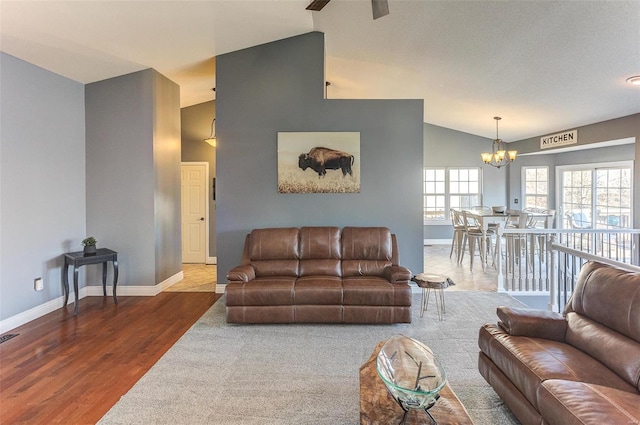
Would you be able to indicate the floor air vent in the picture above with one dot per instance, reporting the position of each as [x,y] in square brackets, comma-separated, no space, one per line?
[7,337]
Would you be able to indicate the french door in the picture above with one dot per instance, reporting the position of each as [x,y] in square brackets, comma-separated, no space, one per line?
[596,196]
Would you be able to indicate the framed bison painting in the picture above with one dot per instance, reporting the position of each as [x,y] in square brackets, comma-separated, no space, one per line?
[320,162]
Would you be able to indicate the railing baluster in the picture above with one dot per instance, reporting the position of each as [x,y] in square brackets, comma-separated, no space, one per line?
[552,261]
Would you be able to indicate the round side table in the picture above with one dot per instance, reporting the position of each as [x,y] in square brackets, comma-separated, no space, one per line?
[432,282]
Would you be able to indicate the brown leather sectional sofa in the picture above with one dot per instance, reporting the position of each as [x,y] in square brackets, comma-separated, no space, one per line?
[319,275]
[582,367]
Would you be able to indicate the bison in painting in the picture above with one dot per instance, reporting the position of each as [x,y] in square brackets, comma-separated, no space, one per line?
[322,159]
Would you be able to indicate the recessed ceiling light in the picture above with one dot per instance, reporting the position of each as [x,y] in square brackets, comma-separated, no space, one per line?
[635,80]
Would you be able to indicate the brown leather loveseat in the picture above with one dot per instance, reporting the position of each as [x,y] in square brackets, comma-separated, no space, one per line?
[319,275]
[582,367]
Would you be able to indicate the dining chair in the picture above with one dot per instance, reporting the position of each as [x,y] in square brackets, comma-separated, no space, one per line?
[482,208]
[459,229]
[473,236]
[545,221]
[516,243]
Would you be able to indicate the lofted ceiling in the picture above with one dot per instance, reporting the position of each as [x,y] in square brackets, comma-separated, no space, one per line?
[543,66]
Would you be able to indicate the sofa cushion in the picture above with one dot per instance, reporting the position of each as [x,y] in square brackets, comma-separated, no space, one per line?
[604,318]
[319,243]
[274,244]
[618,352]
[274,252]
[262,291]
[609,296]
[320,267]
[320,251]
[318,290]
[271,268]
[369,290]
[367,244]
[579,403]
[527,362]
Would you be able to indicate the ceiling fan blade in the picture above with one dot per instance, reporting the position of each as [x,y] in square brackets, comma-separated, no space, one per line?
[380,8]
[317,4]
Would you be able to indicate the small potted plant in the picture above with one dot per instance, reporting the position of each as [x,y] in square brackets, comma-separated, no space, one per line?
[89,245]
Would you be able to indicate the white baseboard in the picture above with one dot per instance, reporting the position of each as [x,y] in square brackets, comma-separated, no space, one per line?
[211,260]
[137,291]
[169,282]
[87,291]
[38,311]
[220,288]
[437,241]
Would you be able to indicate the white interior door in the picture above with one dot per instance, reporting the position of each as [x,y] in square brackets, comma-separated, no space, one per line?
[194,212]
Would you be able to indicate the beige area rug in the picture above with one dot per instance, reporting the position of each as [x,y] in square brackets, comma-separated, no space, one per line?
[219,373]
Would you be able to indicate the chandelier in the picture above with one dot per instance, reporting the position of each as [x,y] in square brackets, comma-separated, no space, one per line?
[499,155]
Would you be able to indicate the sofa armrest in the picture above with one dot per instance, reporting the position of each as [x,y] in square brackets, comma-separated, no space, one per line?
[243,273]
[397,274]
[532,323]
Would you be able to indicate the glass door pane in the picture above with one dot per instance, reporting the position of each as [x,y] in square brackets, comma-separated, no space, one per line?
[577,199]
[613,198]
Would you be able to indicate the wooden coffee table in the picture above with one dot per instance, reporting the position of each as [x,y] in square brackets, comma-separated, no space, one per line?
[377,407]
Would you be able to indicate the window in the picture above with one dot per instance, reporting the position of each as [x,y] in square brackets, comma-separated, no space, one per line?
[434,194]
[446,188]
[597,196]
[536,187]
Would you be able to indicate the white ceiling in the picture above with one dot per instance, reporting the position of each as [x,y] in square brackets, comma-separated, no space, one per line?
[543,66]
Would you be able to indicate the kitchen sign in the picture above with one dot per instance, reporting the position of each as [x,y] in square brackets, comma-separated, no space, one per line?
[560,139]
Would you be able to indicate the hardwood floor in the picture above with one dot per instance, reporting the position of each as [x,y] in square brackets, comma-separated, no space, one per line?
[71,370]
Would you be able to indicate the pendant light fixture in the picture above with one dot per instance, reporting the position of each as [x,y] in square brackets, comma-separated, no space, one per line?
[499,155]
[212,137]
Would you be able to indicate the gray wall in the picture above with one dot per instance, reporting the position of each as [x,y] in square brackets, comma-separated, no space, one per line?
[620,128]
[451,148]
[196,126]
[166,168]
[42,187]
[279,87]
[133,174]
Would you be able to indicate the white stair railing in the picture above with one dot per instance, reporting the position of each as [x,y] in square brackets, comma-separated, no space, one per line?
[528,263]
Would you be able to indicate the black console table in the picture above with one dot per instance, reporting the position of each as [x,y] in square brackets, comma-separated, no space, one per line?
[79,259]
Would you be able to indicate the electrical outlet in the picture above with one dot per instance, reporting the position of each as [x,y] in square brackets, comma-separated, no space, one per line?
[38,284]
[515,201]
